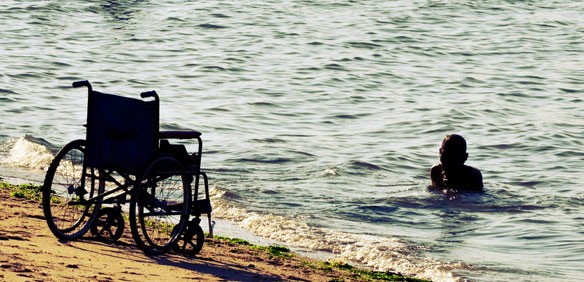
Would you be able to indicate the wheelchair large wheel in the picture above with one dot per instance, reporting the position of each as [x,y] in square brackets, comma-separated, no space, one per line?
[66,187]
[160,201]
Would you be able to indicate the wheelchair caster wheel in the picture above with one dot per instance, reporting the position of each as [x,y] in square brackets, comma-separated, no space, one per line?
[190,241]
[109,225]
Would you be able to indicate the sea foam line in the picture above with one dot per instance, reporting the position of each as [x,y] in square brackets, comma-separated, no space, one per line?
[26,153]
[379,253]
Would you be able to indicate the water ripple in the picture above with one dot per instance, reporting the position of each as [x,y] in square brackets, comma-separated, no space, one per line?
[340,114]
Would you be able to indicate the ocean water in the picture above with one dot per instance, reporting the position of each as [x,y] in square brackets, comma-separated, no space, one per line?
[321,119]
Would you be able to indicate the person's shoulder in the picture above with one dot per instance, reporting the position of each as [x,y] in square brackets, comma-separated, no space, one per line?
[475,178]
[436,170]
[436,167]
[472,170]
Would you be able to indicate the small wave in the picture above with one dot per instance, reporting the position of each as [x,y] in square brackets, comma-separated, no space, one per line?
[30,152]
[268,140]
[366,45]
[330,172]
[345,116]
[379,253]
[378,209]
[263,104]
[211,26]
[223,16]
[6,91]
[528,183]
[361,164]
[334,67]
[267,161]
[215,68]
[218,193]
[567,90]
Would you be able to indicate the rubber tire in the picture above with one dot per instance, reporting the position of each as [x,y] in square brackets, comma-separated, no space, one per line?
[186,245]
[145,196]
[66,171]
[102,227]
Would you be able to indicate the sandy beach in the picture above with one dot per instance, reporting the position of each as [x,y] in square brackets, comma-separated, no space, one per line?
[29,252]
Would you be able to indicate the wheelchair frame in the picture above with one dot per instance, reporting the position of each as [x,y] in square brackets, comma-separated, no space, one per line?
[125,167]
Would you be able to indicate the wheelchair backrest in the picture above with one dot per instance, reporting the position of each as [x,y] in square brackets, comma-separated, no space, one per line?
[122,133]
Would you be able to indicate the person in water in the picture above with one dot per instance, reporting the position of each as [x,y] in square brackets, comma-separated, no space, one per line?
[451,173]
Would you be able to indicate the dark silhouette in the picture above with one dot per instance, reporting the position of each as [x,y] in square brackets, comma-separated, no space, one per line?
[451,173]
[126,160]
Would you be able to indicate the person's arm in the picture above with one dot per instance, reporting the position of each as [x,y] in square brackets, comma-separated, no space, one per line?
[436,176]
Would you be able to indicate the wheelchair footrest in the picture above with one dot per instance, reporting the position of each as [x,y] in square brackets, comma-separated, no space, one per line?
[197,207]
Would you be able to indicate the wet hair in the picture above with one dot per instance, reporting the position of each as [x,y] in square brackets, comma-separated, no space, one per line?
[454,143]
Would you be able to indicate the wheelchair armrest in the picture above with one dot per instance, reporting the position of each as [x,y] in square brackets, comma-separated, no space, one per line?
[179,134]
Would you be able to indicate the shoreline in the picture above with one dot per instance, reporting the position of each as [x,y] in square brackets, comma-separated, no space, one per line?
[29,251]
[223,227]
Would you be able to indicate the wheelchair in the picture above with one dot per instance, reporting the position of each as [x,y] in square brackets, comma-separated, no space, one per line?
[126,164]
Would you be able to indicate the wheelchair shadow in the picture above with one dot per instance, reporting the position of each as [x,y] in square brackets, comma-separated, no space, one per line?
[200,264]
[225,271]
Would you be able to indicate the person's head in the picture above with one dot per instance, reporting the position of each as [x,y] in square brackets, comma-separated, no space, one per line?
[453,151]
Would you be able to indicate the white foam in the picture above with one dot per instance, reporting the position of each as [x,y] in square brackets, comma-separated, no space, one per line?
[330,172]
[379,253]
[27,154]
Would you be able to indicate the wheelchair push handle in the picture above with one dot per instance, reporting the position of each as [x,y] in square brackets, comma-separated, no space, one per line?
[149,94]
[82,83]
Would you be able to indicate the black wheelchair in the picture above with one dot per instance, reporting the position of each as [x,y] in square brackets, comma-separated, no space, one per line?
[126,164]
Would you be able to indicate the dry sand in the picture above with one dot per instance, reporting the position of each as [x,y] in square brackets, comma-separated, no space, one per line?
[30,252]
